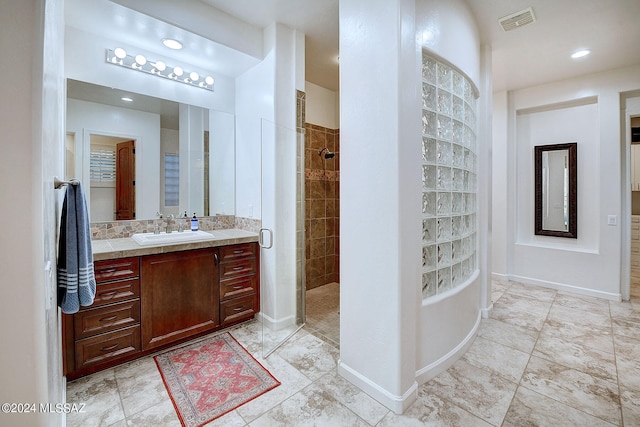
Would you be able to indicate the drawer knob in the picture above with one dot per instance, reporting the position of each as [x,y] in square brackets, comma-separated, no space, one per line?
[240,267]
[237,287]
[108,270]
[113,347]
[238,251]
[108,319]
[239,308]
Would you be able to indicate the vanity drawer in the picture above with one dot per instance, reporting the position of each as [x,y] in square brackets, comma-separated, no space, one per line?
[244,250]
[237,309]
[102,348]
[108,293]
[238,287]
[241,267]
[116,269]
[94,321]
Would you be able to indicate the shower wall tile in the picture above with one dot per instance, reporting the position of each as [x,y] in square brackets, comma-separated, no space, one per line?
[322,204]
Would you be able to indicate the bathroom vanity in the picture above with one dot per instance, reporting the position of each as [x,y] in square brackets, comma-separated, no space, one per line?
[149,298]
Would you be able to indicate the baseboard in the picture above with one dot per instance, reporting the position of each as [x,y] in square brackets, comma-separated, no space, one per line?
[445,362]
[395,403]
[486,311]
[566,288]
[276,324]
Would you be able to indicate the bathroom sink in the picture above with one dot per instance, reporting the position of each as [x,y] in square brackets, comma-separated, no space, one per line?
[174,237]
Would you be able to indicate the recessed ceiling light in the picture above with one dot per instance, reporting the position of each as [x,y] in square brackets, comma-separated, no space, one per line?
[126,99]
[580,54]
[172,44]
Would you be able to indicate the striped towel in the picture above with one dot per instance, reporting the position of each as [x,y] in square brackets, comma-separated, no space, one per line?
[76,280]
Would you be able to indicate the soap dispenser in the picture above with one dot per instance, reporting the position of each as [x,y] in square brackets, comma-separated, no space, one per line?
[194,223]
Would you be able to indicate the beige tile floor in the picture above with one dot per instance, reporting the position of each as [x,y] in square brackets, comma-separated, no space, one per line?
[543,358]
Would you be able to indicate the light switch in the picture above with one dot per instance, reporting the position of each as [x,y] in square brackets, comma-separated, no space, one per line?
[612,220]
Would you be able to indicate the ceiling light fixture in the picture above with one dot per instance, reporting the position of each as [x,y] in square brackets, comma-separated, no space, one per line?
[172,44]
[126,99]
[580,54]
[139,62]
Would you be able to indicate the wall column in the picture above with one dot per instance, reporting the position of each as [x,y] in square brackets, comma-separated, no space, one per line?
[380,198]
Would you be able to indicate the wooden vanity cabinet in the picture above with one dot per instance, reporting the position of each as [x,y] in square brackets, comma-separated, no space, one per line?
[108,331]
[179,296]
[147,303]
[239,283]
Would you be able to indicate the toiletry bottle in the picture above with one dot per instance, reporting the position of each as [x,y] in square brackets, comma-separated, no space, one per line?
[185,214]
[194,223]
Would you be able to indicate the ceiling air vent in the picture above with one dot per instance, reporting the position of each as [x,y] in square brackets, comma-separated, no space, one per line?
[517,20]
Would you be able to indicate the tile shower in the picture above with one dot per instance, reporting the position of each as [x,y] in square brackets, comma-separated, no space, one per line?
[449,180]
[322,204]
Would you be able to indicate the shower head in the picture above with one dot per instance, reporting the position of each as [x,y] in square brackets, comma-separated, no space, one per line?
[327,155]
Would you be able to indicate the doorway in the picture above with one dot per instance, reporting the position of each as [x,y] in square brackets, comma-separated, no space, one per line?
[634,139]
[322,226]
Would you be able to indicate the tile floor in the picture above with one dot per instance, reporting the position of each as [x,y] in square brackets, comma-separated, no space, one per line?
[543,358]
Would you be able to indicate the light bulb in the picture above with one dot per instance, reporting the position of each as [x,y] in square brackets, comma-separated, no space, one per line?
[172,43]
[120,53]
[178,71]
[208,80]
[194,76]
[580,54]
[160,66]
[141,60]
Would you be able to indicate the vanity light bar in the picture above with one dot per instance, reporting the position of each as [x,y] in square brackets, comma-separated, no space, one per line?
[120,57]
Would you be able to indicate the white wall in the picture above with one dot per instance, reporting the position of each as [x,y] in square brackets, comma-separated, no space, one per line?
[86,118]
[84,61]
[448,30]
[222,161]
[323,106]
[590,265]
[31,154]
[380,228]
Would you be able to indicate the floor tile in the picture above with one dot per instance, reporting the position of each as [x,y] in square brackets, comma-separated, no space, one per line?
[582,302]
[499,359]
[518,337]
[520,311]
[140,385]
[554,346]
[99,394]
[542,358]
[475,390]
[594,395]
[431,410]
[534,292]
[529,408]
[313,406]
[353,398]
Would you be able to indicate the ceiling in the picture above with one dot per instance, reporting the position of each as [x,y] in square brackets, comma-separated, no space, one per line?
[528,56]
[531,55]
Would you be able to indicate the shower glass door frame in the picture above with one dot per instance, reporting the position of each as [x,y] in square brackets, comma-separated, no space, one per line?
[282,252]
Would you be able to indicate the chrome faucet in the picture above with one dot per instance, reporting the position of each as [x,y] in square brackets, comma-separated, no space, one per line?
[169,219]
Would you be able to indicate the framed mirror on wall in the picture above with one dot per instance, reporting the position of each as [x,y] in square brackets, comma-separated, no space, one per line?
[556,190]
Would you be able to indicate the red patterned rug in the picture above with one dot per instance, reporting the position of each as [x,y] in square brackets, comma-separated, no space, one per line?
[209,378]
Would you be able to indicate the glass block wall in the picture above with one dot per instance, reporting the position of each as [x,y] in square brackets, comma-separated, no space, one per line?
[449,178]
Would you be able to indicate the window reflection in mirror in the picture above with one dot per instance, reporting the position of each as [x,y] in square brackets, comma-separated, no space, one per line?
[197,143]
[556,190]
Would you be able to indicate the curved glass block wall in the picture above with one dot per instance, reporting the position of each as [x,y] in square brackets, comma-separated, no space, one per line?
[449,178]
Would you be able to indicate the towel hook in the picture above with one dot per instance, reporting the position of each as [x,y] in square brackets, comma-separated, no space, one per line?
[57,183]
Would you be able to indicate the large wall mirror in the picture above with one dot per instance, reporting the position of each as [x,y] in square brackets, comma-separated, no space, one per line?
[556,194]
[183,155]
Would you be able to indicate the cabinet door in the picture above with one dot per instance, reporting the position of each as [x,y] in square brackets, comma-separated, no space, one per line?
[179,296]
